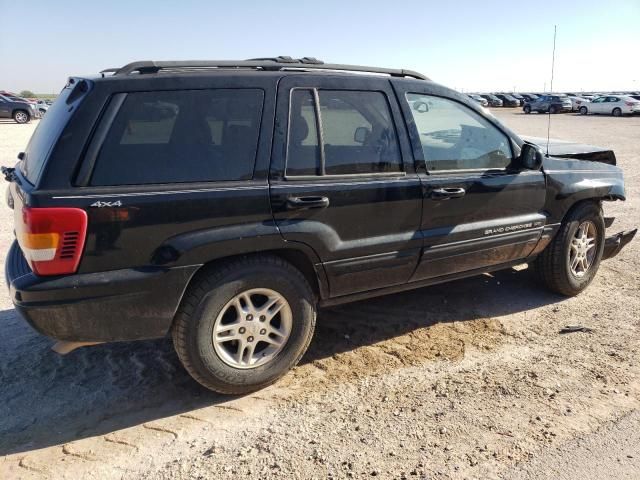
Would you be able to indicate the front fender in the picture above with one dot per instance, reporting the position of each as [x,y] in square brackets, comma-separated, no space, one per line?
[570,181]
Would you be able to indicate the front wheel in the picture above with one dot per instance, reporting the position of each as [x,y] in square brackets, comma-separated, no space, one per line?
[583,110]
[570,262]
[527,109]
[20,116]
[244,325]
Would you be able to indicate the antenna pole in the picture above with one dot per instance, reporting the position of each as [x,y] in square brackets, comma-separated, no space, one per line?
[553,61]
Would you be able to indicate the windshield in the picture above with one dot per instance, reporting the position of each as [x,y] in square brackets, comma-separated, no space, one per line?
[49,129]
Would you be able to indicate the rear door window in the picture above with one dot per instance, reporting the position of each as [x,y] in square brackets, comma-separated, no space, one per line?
[356,135]
[181,136]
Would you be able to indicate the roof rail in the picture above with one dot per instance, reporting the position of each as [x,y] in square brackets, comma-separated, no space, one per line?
[268,64]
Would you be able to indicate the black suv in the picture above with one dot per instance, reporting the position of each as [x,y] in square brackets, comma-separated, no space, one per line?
[224,202]
[508,100]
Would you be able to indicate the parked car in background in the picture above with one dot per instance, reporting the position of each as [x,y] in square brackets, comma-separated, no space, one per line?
[507,100]
[577,102]
[519,97]
[20,110]
[616,105]
[477,98]
[528,97]
[635,97]
[42,106]
[15,98]
[548,104]
[492,99]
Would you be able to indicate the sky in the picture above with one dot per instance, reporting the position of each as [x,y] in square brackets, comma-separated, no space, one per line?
[470,45]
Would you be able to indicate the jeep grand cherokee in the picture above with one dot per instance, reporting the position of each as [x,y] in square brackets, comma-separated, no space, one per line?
[223,202]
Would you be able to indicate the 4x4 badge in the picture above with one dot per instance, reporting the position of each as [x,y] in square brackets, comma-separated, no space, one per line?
[101,204]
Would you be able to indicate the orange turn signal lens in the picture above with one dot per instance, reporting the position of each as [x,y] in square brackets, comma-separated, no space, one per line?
[39,241]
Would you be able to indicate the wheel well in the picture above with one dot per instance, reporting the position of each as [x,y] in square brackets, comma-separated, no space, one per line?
[20,110]
[595,201]
[295,257]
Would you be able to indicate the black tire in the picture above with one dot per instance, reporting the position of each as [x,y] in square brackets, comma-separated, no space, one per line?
[583,110]
[21,116]
[616,112]
[193,326]
[527,109]
[553,265]
[553,109]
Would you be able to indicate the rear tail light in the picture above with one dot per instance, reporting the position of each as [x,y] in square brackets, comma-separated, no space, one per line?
[52,239]
[629,104]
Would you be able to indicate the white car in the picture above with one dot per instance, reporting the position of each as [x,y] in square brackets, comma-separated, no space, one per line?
[577,102]
[616,105]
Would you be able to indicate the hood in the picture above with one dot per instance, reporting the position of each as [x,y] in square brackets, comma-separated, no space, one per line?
[579,151]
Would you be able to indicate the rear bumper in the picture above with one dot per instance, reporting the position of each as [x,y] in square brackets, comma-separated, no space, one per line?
[129,304]
[615,243]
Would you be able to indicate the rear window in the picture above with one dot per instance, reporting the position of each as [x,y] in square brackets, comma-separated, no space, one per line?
[358,134]
[49,129]
[181,136]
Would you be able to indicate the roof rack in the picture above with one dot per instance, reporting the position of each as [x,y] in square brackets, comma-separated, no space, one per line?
[267,64]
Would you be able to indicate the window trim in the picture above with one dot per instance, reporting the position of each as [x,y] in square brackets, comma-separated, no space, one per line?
[320,135]
[497,170]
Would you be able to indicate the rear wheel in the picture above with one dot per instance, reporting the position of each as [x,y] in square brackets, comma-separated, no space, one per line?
[553,109]
[570,262]
[527,109]
[244,325]
[617,112]
[20,116]
[583,110]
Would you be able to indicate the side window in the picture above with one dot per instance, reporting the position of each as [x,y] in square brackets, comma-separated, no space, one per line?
[181,136]
[455,137]
[357,132]
[303,151]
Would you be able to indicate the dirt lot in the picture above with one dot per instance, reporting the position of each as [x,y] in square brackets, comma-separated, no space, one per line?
[465,380]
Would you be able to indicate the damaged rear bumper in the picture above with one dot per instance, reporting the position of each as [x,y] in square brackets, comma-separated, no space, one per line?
[615,243]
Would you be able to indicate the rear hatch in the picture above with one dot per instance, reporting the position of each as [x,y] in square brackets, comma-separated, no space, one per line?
[46,134]
[51,239]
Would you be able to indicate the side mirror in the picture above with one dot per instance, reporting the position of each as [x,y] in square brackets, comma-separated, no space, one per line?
[361,134]
[421,107]
[531,157]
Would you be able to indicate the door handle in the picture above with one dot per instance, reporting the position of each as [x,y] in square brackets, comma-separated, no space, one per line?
[302,203]
[446,193]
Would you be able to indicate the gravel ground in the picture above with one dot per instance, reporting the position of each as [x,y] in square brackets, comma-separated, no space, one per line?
[465,380]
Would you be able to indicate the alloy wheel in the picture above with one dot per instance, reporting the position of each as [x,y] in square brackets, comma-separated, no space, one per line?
[252,328]
[582,251]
